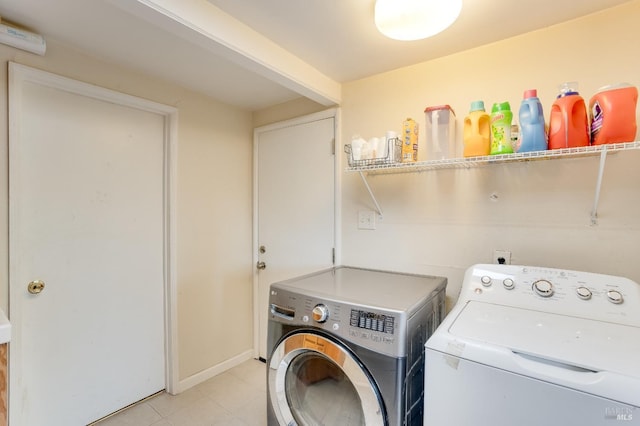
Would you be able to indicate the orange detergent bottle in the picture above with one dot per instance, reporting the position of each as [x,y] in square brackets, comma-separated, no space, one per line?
[568,122]
[477,131]
[613,114]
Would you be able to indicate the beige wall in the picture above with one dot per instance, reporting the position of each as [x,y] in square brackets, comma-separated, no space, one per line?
[214,205]
[443,221]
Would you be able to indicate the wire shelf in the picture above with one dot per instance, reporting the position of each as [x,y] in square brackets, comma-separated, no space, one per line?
[470,162]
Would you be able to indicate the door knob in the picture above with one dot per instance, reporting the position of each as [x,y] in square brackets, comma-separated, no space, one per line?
[35,287]
[261,265]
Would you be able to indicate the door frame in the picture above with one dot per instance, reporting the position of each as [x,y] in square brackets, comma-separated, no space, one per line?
[19,74]
[328,113]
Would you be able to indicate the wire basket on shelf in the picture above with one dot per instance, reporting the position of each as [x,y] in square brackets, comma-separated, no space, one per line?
[391,156]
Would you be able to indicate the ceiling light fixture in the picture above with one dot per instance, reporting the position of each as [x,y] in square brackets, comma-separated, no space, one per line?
[415,19]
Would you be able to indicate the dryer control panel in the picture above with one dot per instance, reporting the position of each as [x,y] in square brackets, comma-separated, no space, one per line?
[372,321]
[573,293]
[380,330]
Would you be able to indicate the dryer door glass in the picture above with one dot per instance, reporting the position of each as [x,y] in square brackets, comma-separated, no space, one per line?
[319,393]
[313,380]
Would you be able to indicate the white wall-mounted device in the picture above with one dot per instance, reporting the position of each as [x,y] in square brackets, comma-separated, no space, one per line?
[22,39]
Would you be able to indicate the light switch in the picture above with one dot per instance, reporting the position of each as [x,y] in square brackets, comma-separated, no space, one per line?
[366,219]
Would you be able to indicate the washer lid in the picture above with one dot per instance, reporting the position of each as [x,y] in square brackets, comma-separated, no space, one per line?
[586,344]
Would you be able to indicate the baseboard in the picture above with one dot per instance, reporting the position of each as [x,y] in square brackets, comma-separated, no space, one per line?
[205,375]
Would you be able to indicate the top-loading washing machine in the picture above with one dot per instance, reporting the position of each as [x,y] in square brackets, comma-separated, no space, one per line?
[346,347]
[533,346]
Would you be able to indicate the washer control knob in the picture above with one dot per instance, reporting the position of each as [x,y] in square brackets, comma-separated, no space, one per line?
[583,293]
[508,283]
[615,296]
[486,281]
[543,288]
[320,313]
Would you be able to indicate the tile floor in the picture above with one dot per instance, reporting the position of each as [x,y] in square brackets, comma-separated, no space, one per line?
[236,397]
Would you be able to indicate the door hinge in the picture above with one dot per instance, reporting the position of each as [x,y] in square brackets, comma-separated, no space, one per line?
[333,146]
[333,256]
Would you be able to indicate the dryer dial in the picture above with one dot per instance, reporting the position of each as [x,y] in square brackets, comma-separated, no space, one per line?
[543,288]
[320,313]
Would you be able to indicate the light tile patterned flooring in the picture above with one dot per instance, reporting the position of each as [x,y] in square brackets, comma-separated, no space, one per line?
[236,397]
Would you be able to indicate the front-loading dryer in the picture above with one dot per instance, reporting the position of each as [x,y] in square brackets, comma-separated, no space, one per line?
[346,347]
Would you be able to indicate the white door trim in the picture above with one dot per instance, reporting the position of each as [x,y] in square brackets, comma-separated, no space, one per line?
[329,113]
[19,74]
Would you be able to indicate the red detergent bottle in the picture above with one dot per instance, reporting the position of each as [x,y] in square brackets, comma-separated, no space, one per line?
[613,114]
[568,121]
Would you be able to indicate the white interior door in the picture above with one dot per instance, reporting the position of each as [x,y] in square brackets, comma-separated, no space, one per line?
[87,218]
[295,199]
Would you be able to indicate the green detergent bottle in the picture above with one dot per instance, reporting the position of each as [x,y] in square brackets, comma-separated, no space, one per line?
[501,117]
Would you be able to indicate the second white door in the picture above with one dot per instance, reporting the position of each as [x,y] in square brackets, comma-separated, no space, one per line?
[295,197]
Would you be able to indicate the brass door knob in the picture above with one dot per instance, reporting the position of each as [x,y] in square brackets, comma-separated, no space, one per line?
[35,287]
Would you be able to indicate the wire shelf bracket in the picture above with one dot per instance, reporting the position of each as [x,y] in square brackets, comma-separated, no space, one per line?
[373,197]
[596,197]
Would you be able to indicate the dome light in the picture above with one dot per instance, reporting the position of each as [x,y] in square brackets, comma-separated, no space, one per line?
[415,19]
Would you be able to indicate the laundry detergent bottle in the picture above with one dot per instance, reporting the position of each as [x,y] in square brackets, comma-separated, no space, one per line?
[477,131]
[501,117]
[568,121]
[613,114]
[532,133]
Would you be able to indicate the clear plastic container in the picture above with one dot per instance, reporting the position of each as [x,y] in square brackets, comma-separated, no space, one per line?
[440,132]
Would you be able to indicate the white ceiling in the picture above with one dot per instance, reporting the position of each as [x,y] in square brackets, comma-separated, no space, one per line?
[258,53]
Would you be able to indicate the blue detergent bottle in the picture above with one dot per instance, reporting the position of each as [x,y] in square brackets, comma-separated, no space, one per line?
[532,132]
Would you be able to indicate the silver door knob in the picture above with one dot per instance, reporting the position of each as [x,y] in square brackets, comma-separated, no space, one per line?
[261,265]
[35,287]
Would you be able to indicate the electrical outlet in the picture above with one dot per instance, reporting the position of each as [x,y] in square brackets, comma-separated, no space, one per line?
[502,257]
[366,219]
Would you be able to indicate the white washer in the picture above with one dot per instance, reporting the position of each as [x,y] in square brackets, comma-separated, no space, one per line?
[533,346]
